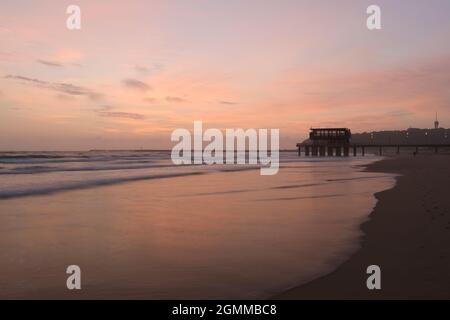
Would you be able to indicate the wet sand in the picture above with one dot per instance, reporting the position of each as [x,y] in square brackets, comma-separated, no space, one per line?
[217,235]
[408,236]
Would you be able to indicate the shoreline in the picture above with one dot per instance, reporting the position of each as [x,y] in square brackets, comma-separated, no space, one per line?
[406,235]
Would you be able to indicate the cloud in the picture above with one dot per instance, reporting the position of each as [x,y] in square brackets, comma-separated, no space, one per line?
[104,108]
[61,87]
[106,111]
[175,99]
[416,86]
[136,85]
[398,113]
[228,102]
[64,97]
[150,100]
[145,70]
[123,115]
[49,63]
[141,69]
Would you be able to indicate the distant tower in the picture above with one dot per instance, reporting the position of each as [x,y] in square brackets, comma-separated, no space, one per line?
[436,123]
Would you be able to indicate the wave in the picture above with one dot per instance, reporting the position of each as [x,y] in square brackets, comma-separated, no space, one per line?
[45,190]
[63,157]
[296,186]
[305,197]
[32,156]
[219,192]
[47,169]
[358,178]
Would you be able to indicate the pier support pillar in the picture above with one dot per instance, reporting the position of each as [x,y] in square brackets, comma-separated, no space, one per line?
[346,151]
[322,151]
[354,151]
[338,151]
[299,151]
[381,150]
[363,151]
[314,151]
[398,149]
[307,151]
[330,151]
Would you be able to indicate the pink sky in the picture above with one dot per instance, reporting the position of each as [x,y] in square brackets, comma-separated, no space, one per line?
[139,69]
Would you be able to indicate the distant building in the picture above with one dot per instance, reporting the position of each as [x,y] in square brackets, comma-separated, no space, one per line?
[409,136]
[436,123]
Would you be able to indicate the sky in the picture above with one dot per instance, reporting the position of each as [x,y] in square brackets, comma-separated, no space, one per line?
[137,70]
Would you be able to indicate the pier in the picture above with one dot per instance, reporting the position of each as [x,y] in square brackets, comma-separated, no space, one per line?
[337,142]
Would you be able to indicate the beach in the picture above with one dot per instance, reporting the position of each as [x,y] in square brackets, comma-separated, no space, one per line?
[142,228]
[407,236]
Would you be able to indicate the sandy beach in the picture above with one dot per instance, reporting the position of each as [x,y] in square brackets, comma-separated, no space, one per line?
[407,236]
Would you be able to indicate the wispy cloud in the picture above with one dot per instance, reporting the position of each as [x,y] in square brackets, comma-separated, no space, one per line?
[398,113]
[140,69]
[104,108]
[64,97]
[228,102]
[136,85]
[49,63]
[175,99]
[123,115]
[62,87]
[107,111]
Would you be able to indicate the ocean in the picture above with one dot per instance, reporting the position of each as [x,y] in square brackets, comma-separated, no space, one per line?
[140,227]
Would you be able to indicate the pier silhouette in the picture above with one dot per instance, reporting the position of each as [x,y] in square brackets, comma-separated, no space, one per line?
[337,142]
